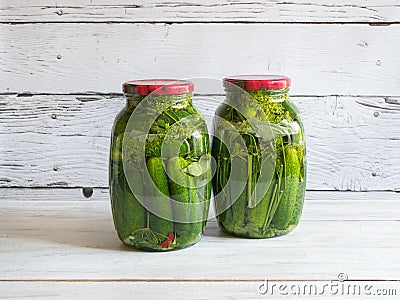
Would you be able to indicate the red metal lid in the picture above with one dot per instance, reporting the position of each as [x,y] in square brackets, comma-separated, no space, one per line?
[258,82]
[158,87]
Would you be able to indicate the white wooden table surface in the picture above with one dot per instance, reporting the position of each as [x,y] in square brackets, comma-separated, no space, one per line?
[62,244]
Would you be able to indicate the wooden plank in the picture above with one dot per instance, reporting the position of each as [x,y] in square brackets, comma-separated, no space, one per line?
[75,240]
[199,10]
[322,60]
[320,206]
[63,140]
[194,290]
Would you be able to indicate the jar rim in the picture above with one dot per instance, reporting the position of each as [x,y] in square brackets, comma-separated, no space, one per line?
[258,82]
[158,87]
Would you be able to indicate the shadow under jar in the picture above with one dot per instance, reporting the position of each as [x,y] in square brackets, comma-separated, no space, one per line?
[259,149]
[159,174]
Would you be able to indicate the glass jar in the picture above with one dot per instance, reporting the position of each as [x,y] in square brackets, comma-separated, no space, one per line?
[259,149]
[160,174]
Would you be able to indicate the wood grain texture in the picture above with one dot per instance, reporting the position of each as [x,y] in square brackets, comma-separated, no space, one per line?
[321,59]
[59,240]
[63,140]
[185,290]
[334,203]
[200,10]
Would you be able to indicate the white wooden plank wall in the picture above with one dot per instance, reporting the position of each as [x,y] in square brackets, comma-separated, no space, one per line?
[80,46]
[324,11]
[342,57]
[74,132]
[322,59]
[352,141]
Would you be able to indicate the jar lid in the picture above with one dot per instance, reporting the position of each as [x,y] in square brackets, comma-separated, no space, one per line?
[258,82]
[158,87]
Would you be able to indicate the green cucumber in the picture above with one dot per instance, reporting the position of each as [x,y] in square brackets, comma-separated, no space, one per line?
[129,214]
[222,193]
[207,196]
[230,193]
[283,214]
[298,206]
[220,178]
[203,189]
[199,144]
[239,200]
[156,170]
[258,214]
[184,194]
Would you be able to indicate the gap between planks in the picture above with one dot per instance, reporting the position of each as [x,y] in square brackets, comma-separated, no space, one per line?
[200,22]
[191,280]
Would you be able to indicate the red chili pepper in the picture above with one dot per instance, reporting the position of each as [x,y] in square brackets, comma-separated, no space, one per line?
[165,243]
